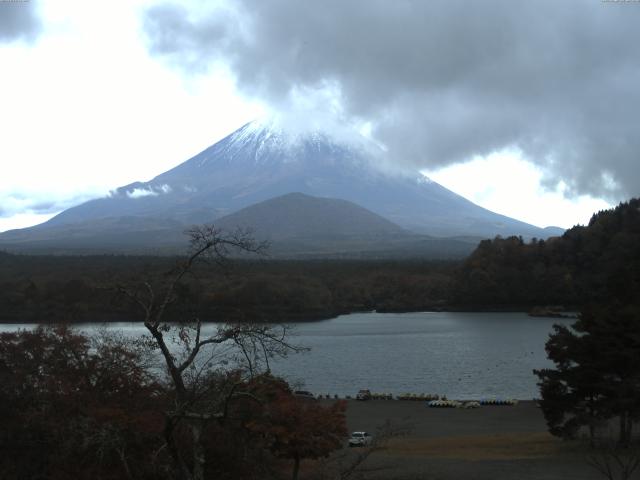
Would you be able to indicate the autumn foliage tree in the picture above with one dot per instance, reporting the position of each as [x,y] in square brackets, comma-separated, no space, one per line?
[80,407]
[73,406]
[298,428]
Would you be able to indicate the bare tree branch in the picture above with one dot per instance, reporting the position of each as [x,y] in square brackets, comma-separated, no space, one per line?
[615,462]
[195,401]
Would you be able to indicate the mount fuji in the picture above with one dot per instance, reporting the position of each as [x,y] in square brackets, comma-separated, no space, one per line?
[257,163]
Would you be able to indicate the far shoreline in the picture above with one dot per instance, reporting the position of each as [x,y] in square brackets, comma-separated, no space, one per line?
[312,317]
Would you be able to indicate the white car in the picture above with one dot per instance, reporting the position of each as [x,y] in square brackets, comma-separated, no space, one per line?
[360,439]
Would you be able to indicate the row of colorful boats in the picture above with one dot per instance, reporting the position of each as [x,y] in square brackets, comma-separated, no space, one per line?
[471,403]
[434,400]
[421,397]
[499,401]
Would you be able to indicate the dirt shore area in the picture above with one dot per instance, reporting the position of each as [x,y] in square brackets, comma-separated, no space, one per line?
[490,442]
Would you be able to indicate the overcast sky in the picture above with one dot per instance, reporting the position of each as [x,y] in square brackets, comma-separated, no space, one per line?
[527,108]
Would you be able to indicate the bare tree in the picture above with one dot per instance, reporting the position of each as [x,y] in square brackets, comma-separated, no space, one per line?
[191,357]
[615,462]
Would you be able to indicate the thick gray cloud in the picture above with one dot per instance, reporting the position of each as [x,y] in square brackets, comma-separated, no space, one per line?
[443,80]
[18,20]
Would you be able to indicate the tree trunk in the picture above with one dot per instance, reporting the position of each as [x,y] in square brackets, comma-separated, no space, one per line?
[296,467]
[199,456]
[623,438]
[183,471]
[125,463]
[592,422]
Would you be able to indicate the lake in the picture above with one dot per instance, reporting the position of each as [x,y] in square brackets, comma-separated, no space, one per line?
[460,355]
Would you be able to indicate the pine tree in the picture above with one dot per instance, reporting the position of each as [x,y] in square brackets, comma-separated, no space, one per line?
[597,374]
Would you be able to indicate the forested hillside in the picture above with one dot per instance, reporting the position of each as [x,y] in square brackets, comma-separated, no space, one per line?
[75,289]
[594,263]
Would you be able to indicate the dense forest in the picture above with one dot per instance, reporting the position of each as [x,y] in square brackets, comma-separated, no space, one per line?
[596,262]
[75,289]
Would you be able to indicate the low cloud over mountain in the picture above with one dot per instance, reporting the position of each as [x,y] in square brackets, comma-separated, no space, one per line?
[442,81]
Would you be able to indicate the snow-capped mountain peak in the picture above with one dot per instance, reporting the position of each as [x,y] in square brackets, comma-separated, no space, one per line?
[265,159]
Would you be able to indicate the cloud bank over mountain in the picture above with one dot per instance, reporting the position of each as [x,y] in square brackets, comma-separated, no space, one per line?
[438,82]
[19,21]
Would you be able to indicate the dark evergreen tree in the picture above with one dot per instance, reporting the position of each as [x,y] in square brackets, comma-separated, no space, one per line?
[597,374]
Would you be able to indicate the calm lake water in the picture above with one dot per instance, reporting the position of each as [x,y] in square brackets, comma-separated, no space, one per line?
[461,355]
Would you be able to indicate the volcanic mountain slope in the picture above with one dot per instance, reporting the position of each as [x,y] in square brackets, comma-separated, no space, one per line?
[301,226]
[259,162]
[294,225]
[296,215]
[125,234]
